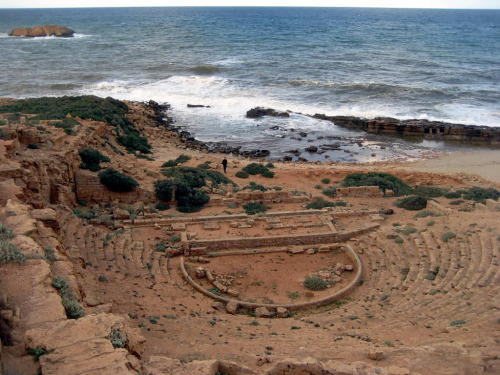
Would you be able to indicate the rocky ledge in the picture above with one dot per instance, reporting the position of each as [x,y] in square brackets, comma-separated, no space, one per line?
[46,30]
[435,130]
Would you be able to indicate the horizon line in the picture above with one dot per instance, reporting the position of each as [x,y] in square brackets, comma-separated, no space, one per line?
[244,6]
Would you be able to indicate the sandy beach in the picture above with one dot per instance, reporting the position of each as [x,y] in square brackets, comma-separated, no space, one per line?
[486,164]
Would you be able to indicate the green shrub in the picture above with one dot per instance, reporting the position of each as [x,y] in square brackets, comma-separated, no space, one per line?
[162,206]
[427,213]
[175,238]
[191,201]
[430,223]
[398,239]
[255,208]
[33,146]
[456,202]
[50,255]
[253,186]
[268,174]
[164,190]
[196,177]
[179,160]
[270,165]
[412,203]
[448,236]
[330,191]
[383,180]
[161,247]
[429,191]
[102,279]
[72,307]
[241,174]
[116,181]
[86,215]
[37,353]
[480,195]
[454,194]
[118,339]
[91,159]
[255,168]
[319,204]
[408,230]
[340,204]
[458,323]
[5,233]
[9,253]
[315,283]
[325,181]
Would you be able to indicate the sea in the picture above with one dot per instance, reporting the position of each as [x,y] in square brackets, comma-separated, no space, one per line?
[431,64]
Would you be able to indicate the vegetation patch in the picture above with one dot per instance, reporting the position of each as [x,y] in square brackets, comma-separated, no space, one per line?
[116,181]
[108,110]
[319,204]
[412,203]
[258,168]
[91,159]
[429,191]
[330,191]
[383,180]
[448,236]
[241,174]
[427,214]
[315,283]
[71,304]
[174,162]
[118,339]
[480,194]
[255,208]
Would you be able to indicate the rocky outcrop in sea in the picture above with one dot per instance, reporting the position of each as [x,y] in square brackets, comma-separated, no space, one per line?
[46,30]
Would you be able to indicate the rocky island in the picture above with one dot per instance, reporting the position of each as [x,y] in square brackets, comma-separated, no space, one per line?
[40,31]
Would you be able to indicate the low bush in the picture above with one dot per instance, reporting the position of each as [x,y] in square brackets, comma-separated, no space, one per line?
[241,174]
[191,201]
[429,191]
[255,168]
[412,203]
[162,206]
[315,283]
[255,208]
[118,339]
[164,190]
[86,215]
[9,253]
[330,191]
[5,233]
[179,160]
[408,230]
[268,174]
[91,159]
[253,186]
[319,204]
[116,181]
[427,214]
[480,195]
[71,304]
[325,181]
[448,236]
[456,202]
[383,180]
[454,194]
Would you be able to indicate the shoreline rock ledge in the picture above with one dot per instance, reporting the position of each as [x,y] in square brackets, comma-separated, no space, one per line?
[46,30]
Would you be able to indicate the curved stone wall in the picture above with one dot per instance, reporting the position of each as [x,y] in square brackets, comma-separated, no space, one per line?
[293,306]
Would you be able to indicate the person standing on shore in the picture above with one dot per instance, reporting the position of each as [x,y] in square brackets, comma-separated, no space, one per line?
[224,164]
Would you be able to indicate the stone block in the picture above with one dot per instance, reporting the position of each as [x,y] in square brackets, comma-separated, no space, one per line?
[232,307]
[282,312]
[262,312]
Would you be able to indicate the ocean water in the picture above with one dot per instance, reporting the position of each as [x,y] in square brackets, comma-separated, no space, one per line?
[403,63]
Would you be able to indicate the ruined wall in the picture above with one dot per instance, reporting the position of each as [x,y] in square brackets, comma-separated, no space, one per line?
[90,189]
[360,192]
[286,240]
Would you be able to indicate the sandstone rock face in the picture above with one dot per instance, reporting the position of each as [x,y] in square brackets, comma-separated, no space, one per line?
[83,345]
[46,30]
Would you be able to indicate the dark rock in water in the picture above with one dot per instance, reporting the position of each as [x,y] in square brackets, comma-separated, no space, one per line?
[197,106]
[287,158]
[312,149]
[47,30]
[302,159]
[261,112]
[255,153]
[296,138]
[303,134]
[296,152]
